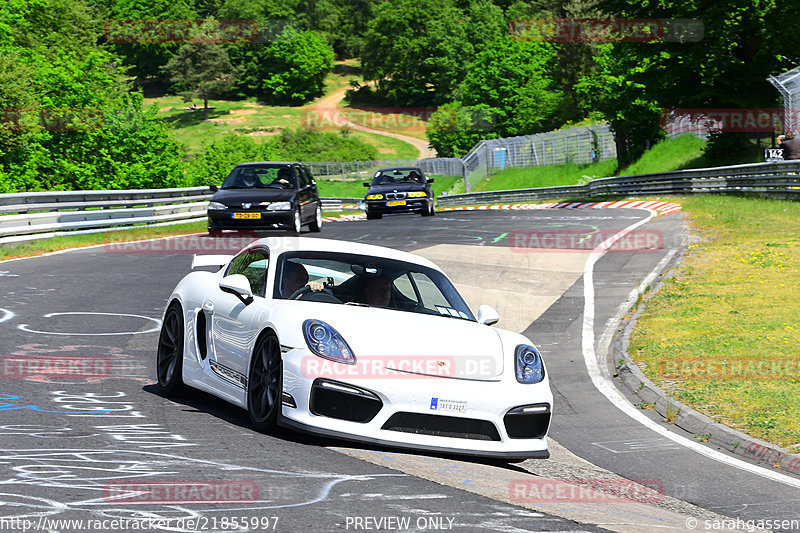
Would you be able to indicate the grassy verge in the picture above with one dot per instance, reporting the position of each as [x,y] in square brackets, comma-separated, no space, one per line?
[670,154]
[723,333]
[546,176]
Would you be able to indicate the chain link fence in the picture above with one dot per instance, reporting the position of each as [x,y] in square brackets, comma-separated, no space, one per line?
[581,145]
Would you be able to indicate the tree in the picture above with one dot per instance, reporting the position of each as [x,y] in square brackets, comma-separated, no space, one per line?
[514,79]
[742,42]
[295,66]
[201,70]
[454,129]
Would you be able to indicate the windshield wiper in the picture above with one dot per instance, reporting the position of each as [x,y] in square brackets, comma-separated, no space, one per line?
[356,303]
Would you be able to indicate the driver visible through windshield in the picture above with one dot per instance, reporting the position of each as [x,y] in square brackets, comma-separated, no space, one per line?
[261,176]
[351,279]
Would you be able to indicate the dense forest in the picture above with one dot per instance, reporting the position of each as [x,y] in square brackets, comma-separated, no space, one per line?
[73,72]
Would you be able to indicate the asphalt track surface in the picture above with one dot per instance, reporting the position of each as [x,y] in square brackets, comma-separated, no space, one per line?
[63,443]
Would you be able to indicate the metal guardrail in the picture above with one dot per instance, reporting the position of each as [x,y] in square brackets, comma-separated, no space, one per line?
[777,179]
[40,215]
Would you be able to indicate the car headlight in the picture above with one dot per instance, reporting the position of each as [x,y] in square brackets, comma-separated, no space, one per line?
[374,197]
[277,206]
[216,205]
[326,342]
[528,363]
[417,194]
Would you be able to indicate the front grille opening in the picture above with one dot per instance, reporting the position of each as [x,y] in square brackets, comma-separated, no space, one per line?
[344,402]
[442,426]
[528,422]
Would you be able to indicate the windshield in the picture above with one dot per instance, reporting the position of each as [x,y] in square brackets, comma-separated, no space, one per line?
[351,279]
[261,176]
[391,176]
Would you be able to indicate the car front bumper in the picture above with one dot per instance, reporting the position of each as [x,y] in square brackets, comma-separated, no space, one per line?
[410,397]
[223,219]
[416,205]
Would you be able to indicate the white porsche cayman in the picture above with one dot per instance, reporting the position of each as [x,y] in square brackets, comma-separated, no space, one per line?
[356,342]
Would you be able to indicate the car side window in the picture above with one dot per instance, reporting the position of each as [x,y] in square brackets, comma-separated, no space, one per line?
[252,264]
[303,177]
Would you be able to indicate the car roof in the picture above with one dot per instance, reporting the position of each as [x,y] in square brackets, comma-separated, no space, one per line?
[398,168]
[253,163]
[292,244]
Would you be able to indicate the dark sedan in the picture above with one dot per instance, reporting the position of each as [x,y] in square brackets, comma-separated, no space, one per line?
[399,190]
[259,196]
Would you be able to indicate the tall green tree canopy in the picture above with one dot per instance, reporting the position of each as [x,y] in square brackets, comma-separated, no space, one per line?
[201,70]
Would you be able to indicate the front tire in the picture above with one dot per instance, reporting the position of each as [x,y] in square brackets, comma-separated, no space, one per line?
[374,216]
[316,224]
[169,359]
[265,383]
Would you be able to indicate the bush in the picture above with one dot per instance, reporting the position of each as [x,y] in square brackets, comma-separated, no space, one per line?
[219,158]
[311,145]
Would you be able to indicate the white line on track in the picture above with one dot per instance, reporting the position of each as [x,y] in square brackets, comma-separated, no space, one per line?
[7,315]
[24,327]
[602,380]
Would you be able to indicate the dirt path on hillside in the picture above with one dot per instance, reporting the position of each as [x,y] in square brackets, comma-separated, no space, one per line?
[330,104]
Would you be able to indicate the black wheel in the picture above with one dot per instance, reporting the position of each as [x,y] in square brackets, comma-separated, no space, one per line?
[297,222]
[214,233]
[265,383]
[427,211]
[316,224]
[374,216]
[169,360]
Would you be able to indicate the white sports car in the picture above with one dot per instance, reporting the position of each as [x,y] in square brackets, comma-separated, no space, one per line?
[356,342]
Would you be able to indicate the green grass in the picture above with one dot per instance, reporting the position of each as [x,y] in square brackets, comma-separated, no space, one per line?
[669,154]
[546,176]
[250,117]
[732,301]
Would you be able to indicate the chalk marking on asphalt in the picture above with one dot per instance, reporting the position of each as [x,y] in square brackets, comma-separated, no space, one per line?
[602,380]
[24,327]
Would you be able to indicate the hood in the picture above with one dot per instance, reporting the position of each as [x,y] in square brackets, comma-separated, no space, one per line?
[235,197]
[413,343]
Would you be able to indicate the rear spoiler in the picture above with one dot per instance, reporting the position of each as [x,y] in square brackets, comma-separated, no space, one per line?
[218,261]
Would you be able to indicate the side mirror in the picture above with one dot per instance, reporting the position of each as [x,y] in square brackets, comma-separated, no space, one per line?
[430,180]
[366,184]
[487,315]
[239,286]
[213,188]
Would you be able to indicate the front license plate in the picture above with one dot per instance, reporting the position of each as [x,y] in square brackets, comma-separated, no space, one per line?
[395,203]
[240,216]
[440,404]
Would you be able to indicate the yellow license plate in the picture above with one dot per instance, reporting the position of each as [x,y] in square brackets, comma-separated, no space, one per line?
[246,215]
[395,203]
